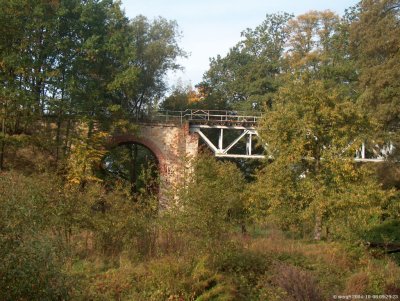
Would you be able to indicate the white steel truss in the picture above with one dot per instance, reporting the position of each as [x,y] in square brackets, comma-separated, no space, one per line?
[219,150]
[374,153]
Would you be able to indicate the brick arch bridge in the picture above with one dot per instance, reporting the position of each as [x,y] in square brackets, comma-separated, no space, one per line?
[173,145]
[173,137]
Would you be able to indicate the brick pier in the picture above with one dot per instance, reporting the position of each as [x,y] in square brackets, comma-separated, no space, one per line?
[173,146]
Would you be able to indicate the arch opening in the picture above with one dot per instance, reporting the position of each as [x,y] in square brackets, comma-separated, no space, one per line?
[132,165]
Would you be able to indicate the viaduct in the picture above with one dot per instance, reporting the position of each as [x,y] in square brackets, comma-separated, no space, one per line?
[173,138]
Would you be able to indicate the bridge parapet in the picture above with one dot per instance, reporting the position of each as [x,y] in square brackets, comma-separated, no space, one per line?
[206,117]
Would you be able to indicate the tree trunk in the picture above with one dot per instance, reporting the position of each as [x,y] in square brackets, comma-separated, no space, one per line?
[2,147]
[59,123]
[58,138]
[67,133]
[327,233]
[90,128]
[318,211]
[133,167]
[318,226]
[3,142]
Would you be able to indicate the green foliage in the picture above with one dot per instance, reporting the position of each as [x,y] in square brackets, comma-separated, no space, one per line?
[86,154]
[178,100]
[64,63]
[312,133]
[32,270]
[247,77]
[31,264]
[374,38]
[241,262]
[207,209]
[386,232]
[75,72]
[152,51]
[44,223]
[374,44]
[93,244]
[134,165]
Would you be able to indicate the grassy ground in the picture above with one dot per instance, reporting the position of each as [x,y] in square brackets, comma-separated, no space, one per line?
[55,244]
[245,268]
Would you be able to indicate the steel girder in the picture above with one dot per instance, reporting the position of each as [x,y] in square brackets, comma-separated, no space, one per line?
[219,150]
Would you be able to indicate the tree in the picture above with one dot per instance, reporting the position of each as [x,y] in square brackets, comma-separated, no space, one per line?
[318,46]
[310,39]
[375,45]
[26,58]
[247,76]
[46,67]
[66,63]
[154,51]
[182,98]
[207,209]
[312,133]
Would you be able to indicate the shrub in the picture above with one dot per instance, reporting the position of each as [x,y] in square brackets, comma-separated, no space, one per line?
[31,262]
[31,270]
[388,231]
[299,284]
[207,209]
[357,283]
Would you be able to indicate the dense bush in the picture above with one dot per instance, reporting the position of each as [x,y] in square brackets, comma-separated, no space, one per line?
[31,260]
[32,270]
[64,242]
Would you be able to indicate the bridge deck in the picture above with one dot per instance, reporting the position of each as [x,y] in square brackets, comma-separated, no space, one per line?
[247,122]
[209,117]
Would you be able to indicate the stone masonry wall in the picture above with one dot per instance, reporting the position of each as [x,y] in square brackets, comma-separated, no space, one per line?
[174,147]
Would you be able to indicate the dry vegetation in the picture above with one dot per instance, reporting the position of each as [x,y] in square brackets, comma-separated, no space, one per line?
[57,246]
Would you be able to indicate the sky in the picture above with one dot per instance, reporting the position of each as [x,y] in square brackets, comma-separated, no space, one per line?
[212,27]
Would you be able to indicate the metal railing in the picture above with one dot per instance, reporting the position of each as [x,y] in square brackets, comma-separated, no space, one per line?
[204,117]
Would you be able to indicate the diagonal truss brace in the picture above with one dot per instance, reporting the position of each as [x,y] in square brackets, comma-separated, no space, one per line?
[379,153]
[219,151]
[375,153]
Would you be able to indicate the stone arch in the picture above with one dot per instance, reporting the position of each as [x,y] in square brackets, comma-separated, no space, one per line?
[129,138]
